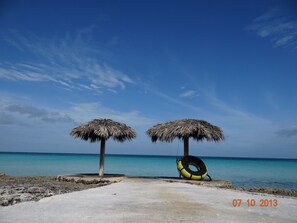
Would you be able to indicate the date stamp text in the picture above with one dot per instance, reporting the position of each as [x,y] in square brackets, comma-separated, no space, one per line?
[262,203]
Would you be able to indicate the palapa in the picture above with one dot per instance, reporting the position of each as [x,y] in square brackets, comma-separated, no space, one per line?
[101,130]
[184,129]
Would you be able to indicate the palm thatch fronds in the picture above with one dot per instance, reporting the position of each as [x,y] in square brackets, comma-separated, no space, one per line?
[184,129]
[197,129]
[101,130]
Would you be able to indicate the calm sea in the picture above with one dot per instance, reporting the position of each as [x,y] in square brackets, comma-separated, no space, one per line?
[278,173]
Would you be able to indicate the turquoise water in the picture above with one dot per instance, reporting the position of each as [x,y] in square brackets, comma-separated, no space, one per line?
[242,172]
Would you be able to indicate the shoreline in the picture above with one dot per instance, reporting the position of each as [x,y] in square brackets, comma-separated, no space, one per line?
[17,189]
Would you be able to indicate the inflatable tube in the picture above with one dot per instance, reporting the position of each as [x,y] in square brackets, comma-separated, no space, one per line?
[184,169]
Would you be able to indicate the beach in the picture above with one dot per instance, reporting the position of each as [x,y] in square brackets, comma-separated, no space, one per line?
[154,200]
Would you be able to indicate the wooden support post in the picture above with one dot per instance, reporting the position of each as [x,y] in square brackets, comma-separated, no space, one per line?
[186,146]
[102,154]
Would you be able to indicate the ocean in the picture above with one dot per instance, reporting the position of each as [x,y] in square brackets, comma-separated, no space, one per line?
[243,172]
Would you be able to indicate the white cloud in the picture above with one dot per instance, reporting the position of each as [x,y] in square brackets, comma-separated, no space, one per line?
[187,94]
[279,29]
[284,41]
[16,110]
[69,63]
[39,113]
[84,112]
[173,99]
[226,109]
[20,111]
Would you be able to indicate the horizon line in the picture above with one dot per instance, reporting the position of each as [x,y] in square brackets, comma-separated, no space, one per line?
[218,157]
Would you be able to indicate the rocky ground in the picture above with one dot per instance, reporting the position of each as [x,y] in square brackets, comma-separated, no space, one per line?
[14,190]
[275,191]
[228,185]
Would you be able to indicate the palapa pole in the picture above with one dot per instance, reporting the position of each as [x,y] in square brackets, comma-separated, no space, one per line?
[102,152]
[186,146]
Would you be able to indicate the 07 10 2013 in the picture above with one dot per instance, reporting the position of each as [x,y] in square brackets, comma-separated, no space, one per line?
[254,203]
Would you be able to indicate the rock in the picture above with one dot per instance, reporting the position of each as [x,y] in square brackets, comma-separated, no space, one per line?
[35,190]
[275,191]
[4,202]
[7,199]
[25,197]
[2,174]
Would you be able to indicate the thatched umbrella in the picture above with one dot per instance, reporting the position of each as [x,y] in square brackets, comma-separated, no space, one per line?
[184,129]
[102,130]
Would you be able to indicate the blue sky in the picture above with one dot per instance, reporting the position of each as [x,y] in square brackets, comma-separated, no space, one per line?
[232,63]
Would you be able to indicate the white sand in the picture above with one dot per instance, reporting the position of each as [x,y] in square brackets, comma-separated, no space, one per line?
[149,200]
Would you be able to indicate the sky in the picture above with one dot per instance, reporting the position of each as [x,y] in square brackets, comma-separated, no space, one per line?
[231,63]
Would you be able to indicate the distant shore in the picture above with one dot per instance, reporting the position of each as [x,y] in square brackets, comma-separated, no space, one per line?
[14,190]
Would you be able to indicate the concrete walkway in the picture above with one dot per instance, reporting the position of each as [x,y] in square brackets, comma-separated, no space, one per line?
[151,200]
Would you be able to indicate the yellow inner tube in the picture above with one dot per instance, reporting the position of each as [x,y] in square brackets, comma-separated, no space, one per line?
[187,173]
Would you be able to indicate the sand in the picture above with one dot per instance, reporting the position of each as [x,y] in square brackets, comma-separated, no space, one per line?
[151,200]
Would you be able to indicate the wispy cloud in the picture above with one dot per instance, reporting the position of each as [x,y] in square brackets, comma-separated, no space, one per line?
[83,112]
[228,109]
[279,29]
[39,113]
[288,132]
[16,110]
[70,63]
[187,94]
[172,99]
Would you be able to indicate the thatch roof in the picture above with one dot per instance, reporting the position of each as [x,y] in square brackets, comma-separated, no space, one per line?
[185,128]
[99,129]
